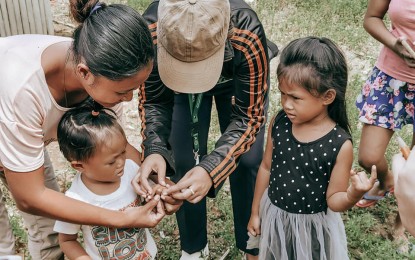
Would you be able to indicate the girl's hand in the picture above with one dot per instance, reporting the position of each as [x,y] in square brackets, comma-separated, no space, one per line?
[193,187]
[254,225]
[404,51]
[360,183]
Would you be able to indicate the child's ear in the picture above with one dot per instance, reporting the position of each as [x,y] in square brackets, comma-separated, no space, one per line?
[329,96]
[77,165]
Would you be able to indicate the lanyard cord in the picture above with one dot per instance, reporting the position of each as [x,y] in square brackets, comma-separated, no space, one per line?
[194,102]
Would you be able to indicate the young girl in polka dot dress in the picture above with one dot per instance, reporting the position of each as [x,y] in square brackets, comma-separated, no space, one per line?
[303,180]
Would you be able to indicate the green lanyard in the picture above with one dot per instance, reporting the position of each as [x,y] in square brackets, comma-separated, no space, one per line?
[194,102]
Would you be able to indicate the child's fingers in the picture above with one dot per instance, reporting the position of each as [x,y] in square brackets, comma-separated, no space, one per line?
[251,231]
[354,177]
[155,208]
[171,208]
[151,204]
[373,175]
[171,200]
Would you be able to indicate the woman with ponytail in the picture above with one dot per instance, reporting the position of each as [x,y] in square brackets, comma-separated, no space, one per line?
[111,54]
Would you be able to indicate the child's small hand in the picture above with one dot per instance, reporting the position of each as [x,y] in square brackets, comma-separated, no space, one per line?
[360,183]
[254,225]
[171,205]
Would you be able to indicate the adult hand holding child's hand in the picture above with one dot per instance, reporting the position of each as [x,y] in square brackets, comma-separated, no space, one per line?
[154,163]
[193,187]
[171,205]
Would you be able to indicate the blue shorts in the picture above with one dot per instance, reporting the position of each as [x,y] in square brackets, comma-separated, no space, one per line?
[386,101]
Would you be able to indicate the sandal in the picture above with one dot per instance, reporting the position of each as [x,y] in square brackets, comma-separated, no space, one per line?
[372,199]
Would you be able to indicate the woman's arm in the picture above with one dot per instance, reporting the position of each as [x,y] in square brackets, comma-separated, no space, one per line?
[71,247]
[341,196]
[374,25]
[33,197]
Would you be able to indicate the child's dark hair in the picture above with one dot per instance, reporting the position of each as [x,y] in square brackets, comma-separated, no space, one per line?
[317,64]
[83,129]
[113,40]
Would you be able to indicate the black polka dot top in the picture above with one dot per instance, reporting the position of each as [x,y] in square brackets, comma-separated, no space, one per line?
[300,172]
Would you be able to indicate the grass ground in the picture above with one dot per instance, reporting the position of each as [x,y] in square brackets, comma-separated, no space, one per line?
[368,230]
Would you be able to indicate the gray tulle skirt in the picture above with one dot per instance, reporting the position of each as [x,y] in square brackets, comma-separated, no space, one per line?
[287,236]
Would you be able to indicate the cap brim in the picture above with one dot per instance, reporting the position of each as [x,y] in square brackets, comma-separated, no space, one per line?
[189,77]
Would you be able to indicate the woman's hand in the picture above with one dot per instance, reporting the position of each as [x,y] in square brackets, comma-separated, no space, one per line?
[148,215]
[405,51]
[153,163]
[193,187]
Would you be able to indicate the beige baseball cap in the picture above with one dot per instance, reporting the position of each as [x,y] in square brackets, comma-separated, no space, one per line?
[191,36]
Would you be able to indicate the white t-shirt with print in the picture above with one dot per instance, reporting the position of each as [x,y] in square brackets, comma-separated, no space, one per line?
[29,114]
[111,243]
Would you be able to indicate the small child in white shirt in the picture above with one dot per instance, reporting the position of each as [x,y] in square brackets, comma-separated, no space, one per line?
[95,145]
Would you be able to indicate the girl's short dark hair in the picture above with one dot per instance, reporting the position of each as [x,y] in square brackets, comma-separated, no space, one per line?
[317,64]
[81,131]
[113,40]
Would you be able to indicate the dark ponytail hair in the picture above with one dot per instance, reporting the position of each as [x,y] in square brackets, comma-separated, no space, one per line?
[113,40]
[83,129]
[317,64]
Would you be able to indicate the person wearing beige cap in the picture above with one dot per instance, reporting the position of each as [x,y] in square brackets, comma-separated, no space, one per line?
[206,50]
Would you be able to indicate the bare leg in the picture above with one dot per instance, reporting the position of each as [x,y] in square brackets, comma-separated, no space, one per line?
[373,143]
[399,235]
